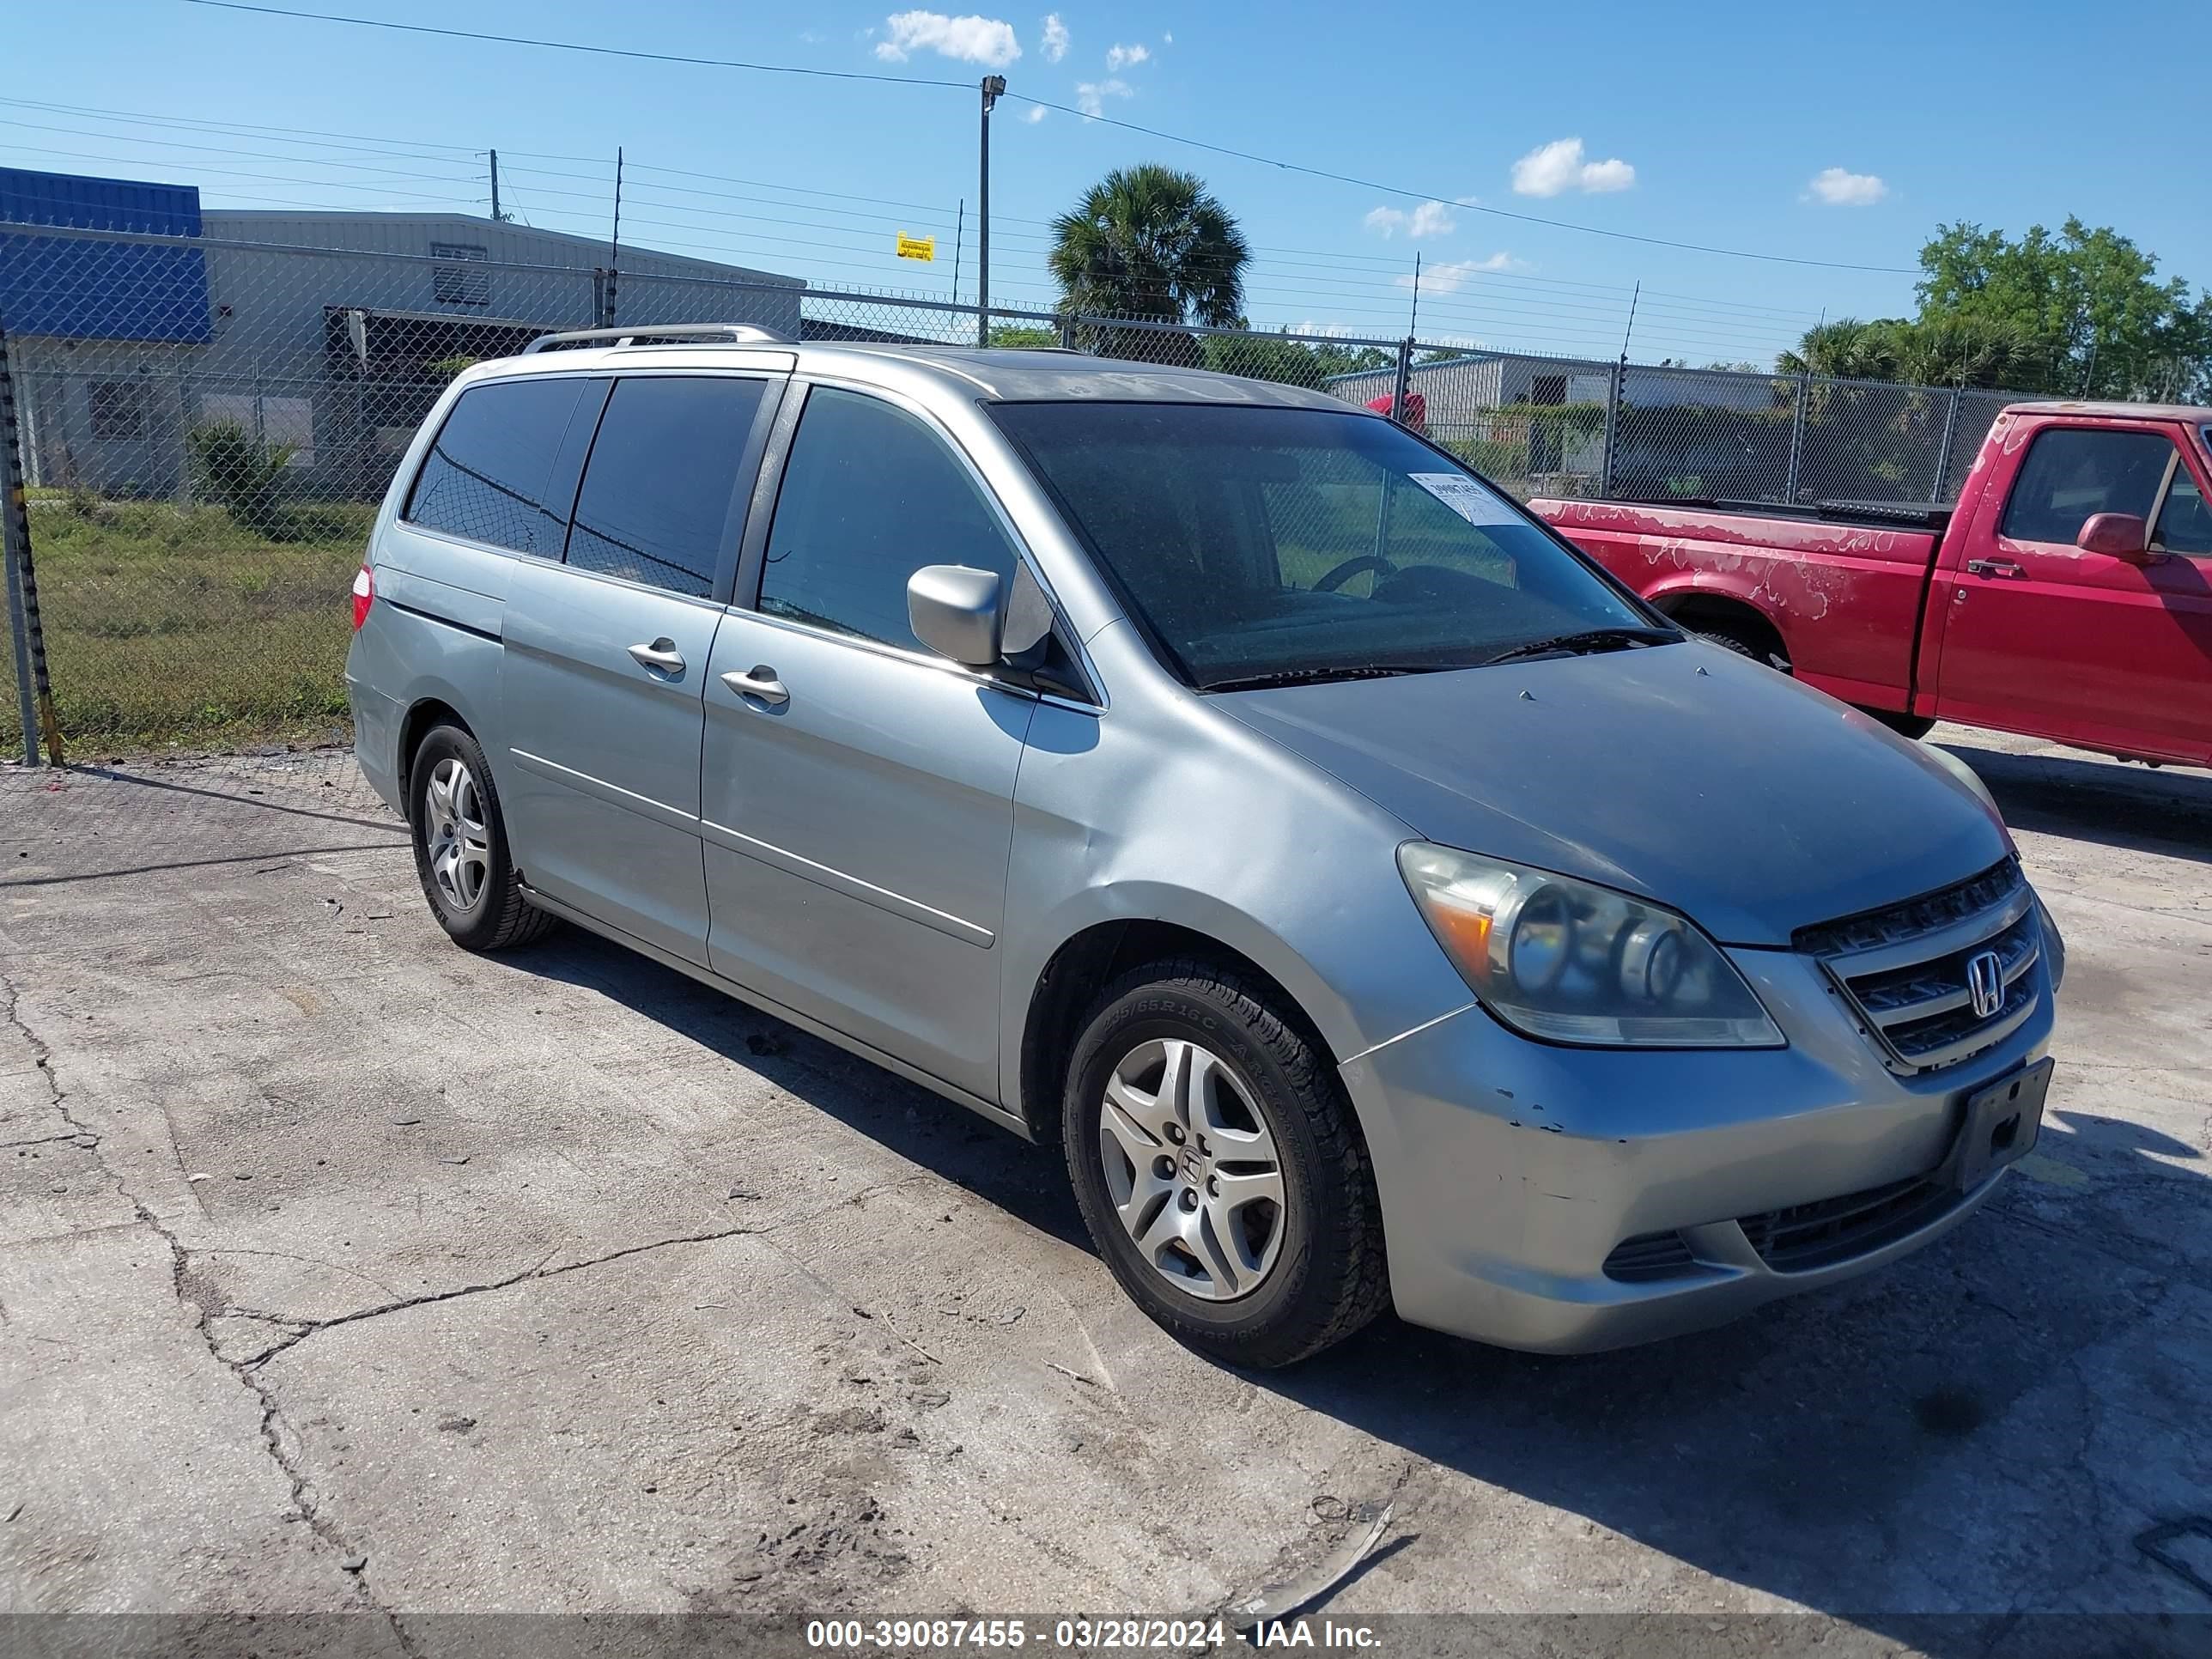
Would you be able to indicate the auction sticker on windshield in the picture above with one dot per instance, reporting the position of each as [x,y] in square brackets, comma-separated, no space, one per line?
[1466,498]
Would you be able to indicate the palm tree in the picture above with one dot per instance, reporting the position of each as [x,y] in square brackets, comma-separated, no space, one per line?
[1151,243]
[1847,348]
[1939,351]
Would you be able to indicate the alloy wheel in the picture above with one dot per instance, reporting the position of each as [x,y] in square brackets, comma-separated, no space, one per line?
[1193,1170]
[459,839]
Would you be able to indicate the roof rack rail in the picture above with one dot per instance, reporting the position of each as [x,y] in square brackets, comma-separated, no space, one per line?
[728,333]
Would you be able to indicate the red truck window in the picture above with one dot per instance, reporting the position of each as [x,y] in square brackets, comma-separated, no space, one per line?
[2074,473]
[2185,524]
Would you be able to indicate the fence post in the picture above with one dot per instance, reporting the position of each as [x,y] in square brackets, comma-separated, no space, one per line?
[1796,440]
[1067,331]
[1612,386]
[1404,374]
[34,697]
[1943,448]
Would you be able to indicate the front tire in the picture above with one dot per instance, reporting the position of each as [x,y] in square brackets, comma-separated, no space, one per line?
[1220,1168]
[1914,726]
[460,845]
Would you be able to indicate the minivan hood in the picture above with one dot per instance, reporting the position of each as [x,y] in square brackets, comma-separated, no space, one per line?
[1681,773]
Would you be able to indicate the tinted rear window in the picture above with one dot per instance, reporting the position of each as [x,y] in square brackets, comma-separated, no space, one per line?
[662,483]
[486,477]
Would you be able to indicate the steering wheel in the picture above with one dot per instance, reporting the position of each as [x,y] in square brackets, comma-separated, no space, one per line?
[1351,567]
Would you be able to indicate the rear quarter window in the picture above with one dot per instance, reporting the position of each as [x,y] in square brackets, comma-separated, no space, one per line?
[487,475]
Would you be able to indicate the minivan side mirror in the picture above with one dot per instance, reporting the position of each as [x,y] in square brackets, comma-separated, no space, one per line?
[958,612]
[2122,535]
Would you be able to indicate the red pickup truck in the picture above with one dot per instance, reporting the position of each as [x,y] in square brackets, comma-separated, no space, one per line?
[2068,595]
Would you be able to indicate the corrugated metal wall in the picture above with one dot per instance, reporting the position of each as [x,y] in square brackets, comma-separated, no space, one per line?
[75,289]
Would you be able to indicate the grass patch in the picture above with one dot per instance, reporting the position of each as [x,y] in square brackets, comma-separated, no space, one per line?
[169,625]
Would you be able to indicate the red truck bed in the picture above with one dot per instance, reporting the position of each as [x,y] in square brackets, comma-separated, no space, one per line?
[1859,571]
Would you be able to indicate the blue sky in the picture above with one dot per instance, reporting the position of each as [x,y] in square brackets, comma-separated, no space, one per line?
[1823,133]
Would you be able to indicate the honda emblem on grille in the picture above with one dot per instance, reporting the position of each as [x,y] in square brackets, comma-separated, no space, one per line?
[1986,982]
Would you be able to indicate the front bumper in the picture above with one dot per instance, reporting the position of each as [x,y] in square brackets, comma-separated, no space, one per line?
[1511,1171]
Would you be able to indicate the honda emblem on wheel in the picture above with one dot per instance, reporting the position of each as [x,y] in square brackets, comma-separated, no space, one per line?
[1986,982]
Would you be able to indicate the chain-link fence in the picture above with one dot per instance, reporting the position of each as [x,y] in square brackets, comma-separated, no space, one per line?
[206,422]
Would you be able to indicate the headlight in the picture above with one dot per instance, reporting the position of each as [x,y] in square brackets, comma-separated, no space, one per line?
[1562,959]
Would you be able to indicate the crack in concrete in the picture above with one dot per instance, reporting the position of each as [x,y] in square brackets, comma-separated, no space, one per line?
[308,1327]
[305,1501]
[83,1138]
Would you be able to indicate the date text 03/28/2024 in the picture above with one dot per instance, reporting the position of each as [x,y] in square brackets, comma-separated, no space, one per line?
[1080,1635]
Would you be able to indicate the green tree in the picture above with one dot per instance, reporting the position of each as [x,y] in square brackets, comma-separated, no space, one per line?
[1152,243]
[2085,306]
[1940,351]
[1287,357]
[2081,314]
[1022,335]
[1849,348]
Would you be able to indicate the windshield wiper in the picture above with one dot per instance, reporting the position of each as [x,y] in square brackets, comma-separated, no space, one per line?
[1589,640]
[1364,671]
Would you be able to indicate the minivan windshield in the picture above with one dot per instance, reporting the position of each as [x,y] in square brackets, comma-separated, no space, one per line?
[1261,545]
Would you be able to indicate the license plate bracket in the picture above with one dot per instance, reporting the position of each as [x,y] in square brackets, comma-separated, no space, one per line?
[2002,1122]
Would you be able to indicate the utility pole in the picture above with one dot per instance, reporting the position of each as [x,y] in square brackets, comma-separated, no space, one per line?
[614,240]
[496,215]
[959,227]
[1413,321]
[993,85]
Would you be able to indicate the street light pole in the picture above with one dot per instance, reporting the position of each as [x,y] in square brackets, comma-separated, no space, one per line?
[993,86]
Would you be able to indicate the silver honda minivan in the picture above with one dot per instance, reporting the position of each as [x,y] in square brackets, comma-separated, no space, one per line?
[1377,901]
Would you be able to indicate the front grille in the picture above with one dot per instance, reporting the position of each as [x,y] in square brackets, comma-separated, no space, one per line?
[1650,1255]
[1831,1230]
[1904,967]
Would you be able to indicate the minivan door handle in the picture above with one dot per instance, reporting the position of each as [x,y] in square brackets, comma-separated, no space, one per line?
[760,684]
[661,654]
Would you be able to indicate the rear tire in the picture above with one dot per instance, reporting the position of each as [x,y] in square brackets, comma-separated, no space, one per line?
[1737,643]
[460,845]
[1227,1188]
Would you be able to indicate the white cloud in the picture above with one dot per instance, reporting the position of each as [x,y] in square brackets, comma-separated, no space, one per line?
[1090,96]
[1451,277]
[1553,169]
[1168,40]
[1429,218]
[986,41]
[1121,57]
[1838,188]
[1432,219]
[1035,113]
[1055,45]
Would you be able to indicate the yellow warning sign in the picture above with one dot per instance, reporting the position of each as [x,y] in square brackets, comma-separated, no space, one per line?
[917,248]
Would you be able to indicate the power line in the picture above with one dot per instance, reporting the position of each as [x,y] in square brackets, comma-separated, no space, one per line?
[1347,261]
[1492,300]
[297,134]
[265,177]
[256,154]
[1433,196]
[572,45]
[1045,103]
